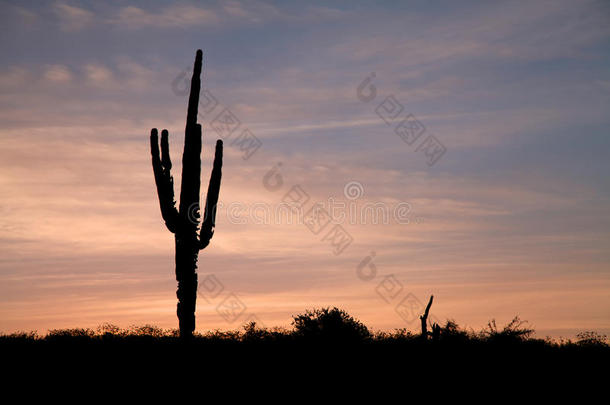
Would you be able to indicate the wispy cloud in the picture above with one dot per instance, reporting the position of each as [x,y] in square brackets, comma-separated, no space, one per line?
[131,17]
[58,74]
[72,18]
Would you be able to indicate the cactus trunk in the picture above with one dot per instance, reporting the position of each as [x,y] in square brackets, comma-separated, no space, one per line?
[185,221]
[186,275]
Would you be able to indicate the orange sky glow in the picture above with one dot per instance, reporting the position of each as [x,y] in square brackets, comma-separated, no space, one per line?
[513,219]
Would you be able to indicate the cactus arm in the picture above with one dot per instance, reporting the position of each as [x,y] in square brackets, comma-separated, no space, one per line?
[209,217]
[163,179]
[165,158]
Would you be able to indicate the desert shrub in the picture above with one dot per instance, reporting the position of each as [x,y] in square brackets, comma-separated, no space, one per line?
[329,324]
[146,330]
[76,332]
[254,333]
[173,333]
[591,338]
[400,335]
[451,332]
[76,335]
[20,337]
[109,329]
[230,336]
[513,332]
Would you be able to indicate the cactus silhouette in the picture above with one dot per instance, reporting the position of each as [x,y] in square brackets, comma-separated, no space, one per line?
[424,319]
[184,222]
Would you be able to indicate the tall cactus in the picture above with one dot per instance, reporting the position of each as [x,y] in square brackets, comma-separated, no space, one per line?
[184,222]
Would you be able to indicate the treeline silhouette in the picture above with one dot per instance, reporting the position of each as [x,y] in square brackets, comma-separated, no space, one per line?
[318,326]
[322,347]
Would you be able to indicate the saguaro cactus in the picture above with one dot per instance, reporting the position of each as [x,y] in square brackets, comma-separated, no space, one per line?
[185,221]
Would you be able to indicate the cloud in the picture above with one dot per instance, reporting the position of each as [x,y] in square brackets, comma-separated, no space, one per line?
[14,77]
[527,31]
[97,74]
[184,16]
[57,73]
[72,18]
[252,11]
[21,14]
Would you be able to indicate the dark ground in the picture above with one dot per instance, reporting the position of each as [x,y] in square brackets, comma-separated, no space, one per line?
[324,347]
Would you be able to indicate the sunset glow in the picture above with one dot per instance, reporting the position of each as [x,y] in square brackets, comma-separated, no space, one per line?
[513,218]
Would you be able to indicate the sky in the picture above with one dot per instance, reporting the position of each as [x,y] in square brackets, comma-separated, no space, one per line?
[458,149]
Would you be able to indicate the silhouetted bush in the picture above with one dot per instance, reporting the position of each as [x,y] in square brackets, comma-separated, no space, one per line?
[20,337]
[108,329]
[254,333]
[147,330]
[451,333]
[590,338]
[329,325]
[398,335]
[72,335]
[513,332]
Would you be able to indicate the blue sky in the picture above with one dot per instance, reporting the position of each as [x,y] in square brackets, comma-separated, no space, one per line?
[513,219]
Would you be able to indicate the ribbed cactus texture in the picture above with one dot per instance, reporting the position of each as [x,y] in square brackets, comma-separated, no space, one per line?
[184,222]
